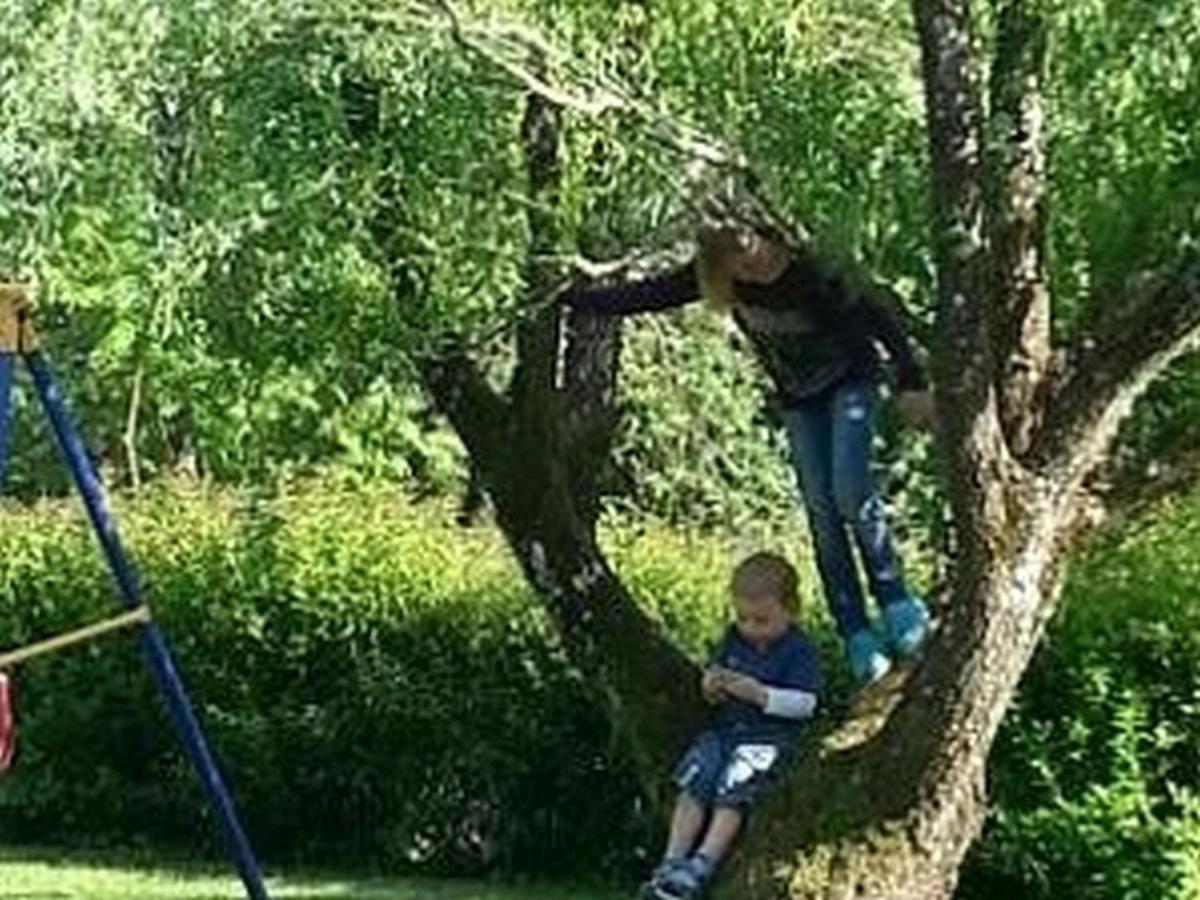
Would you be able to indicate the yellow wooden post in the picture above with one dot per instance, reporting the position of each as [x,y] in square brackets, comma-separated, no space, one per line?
[16,328]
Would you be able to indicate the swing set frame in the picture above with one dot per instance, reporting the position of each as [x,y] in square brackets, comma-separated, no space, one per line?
[19,340]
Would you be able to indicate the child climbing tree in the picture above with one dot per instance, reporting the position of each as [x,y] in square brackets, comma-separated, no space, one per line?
[887,805]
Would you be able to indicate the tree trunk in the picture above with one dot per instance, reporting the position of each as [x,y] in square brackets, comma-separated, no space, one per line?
[538,452]
[885,804]
[648,685]
[888,803]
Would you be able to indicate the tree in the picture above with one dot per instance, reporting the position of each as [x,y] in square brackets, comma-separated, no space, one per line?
[1032,385]
[887,804]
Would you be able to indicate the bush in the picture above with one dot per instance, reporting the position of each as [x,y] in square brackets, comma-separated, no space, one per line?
[376,682]
[1095,770]
[382,687]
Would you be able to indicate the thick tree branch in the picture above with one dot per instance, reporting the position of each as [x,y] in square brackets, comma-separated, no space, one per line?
[964,364]
[955,140]
[533,477]
[538,335]
[650,686]
[1018,142]
[476,411]
[542,485]
[1106,372]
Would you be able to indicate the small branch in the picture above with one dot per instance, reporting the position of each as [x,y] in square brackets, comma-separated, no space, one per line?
[509,46]
[601,104]
[955,137]
[1106,373]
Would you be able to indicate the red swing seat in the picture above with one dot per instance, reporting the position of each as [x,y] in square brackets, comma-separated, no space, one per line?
[8,723]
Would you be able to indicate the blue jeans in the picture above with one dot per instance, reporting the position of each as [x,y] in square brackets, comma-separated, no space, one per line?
[830,437]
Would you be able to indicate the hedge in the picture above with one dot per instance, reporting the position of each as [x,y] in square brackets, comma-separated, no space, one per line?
[382,688]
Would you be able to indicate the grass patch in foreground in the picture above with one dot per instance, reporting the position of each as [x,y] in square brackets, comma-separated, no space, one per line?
[47,875]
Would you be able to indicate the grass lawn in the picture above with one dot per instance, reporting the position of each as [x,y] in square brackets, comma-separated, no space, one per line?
[46,875]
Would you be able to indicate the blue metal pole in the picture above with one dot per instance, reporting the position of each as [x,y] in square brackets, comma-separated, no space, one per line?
[6,371]
[154,644]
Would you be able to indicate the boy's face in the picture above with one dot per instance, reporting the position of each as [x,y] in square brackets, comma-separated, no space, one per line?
[760,618]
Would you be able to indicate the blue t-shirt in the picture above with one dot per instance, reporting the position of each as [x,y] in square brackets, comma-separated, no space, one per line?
[790,661]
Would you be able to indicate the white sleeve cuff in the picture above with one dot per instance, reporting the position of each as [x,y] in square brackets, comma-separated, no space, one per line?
[790,704]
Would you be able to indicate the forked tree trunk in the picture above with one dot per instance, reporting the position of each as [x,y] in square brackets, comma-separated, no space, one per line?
[884,805]
[888,804]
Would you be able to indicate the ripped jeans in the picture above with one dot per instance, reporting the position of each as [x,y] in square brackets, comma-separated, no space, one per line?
[830,437]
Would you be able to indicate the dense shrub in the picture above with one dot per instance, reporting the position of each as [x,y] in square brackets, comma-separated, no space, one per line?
[376,681]
[1094,777]
[381,686]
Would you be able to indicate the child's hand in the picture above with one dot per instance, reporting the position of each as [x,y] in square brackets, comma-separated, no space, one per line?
[710,684]
[744,687]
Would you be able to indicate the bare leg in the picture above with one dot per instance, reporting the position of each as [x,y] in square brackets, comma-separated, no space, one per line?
[686,824]
[726,823]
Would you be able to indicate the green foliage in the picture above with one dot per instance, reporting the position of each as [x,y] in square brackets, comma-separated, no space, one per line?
[1125,156]
[369,694]
[372,698]
[1096,770]
[687,439]
[329,642]
[196,219]
[247,222]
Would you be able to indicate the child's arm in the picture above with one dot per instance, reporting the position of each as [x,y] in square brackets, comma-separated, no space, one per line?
[674,288]
[784,702]
[790,703]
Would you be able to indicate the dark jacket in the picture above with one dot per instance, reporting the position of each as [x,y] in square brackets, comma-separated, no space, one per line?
[810,331]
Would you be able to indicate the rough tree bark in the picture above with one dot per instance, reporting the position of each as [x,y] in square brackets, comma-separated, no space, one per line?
[537,451]
[885,805]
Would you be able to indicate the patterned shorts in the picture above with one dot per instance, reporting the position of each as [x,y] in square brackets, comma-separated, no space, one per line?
[724,768]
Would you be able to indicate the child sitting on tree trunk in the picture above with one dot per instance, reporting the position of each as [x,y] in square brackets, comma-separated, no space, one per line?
[818,338]
[763,679]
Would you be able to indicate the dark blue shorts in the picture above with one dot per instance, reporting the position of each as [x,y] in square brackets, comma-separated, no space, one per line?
[726,768]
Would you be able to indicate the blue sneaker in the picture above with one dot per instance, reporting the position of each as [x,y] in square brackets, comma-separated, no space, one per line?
[662,872]
[907,623]
[868,662]
[684,881]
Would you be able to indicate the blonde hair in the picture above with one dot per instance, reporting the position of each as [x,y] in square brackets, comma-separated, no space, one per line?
[720,244]
[766,574]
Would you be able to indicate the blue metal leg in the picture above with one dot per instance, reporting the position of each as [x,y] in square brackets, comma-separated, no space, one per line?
[6,371]
[154,644]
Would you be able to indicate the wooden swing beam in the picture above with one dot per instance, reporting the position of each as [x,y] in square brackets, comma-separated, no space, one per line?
[137,616]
